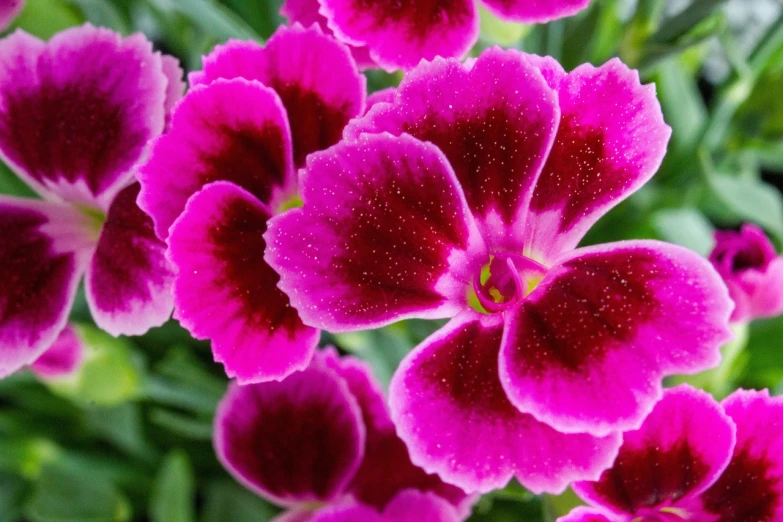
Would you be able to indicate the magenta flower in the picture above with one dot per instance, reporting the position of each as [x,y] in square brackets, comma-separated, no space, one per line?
[398,34]
[752,271]
[321,444]
[9,9]
[227,165]
[465,198]
[305,12]
[63,358]
[91,100]
[693,459]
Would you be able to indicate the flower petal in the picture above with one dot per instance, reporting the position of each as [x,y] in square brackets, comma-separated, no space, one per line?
[62,358]
[414,506]
[383,96]
[583,514]
[611,140]
[348,512]
[305,12]
[9,9]
[294,515]
[401,33]
[314,75]
[293,441]
[217,248]
[534,11]
[44,253]
[384,234]
[588,347]
[176,85]
[90,98]
[408,506]
[386,469]
[761,291]
[233,130]
[450,408]
[751,488]
[128,282]
[753,272]
[681,449]
[495,122]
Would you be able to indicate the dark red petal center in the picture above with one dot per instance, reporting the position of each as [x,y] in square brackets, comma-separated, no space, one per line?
[80,129]
[744,492]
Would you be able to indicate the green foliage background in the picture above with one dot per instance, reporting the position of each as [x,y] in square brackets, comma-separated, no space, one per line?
[130,437]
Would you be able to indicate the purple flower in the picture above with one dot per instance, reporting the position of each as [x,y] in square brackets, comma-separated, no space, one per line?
[9,9]
[465,198]
[63,358]
[693,459]
[752,271]
[321,444]
[76,115]
[226,166]
[398,34]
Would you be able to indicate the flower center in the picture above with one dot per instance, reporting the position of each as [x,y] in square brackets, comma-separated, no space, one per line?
[94,219]
[504,281]
[665,514]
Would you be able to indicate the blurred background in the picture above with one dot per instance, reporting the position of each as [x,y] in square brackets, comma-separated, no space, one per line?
[129,438]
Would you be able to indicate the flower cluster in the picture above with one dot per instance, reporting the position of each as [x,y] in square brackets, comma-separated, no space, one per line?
[694,459]
[226,166]
[397,34]
[276,199]
[322,444]
[77,114]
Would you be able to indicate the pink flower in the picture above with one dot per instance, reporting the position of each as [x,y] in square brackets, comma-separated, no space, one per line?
[398,34]
[321,443]
[751,270]
[227,165]
[76,115]
[695,459]
[63,358]
[9,9]
[465,198]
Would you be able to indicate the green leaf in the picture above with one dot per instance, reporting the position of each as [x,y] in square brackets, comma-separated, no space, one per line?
[497,31]
[751,200]
[228,501]
[764,367]
[173,495]
[681,23]
[102,13]
[681,101]
[685,226]
[173,393]
[27,456]
[123,427]
[181,425]
[11,185]
[708,28]
[264,16]
[12,490]
[62,495]
[211,17]
[761,115]
[44,18]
